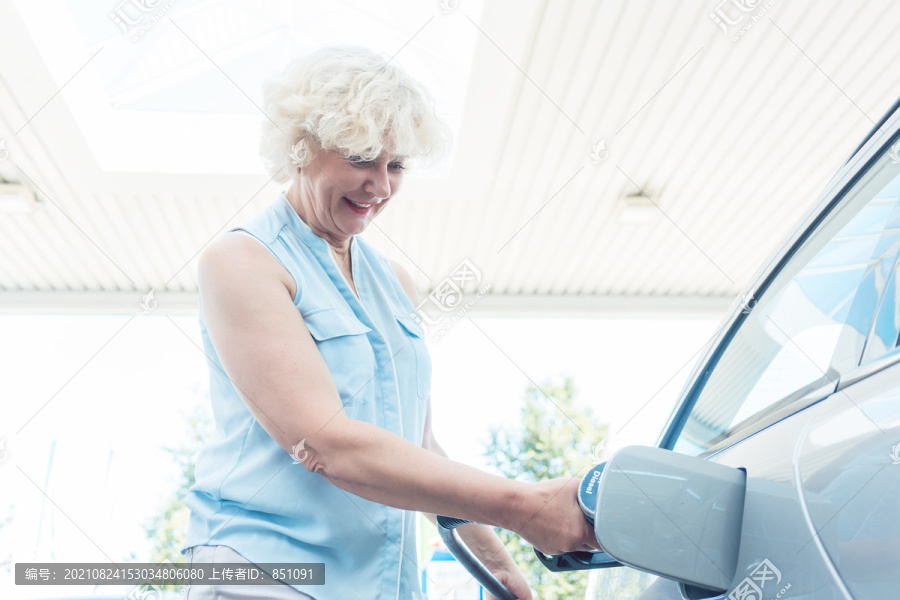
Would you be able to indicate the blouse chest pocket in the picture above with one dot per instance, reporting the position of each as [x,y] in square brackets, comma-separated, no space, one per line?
[416,335]
[342,342]
[328,323]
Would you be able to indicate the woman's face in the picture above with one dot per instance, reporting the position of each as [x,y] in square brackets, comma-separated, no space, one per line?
[340,195]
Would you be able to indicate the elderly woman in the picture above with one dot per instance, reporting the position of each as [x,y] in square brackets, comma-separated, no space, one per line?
[320,379]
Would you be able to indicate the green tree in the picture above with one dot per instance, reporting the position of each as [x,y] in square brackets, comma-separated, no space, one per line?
[555,438]
[167,531]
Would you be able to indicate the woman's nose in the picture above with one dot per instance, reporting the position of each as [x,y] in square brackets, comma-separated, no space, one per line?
[380,182]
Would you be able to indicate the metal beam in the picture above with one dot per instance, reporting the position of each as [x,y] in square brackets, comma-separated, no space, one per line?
[186,303]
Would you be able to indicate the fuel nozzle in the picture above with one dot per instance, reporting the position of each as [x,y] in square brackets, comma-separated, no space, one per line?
[587,492]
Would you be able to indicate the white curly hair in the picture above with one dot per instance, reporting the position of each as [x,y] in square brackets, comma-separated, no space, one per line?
[349,99]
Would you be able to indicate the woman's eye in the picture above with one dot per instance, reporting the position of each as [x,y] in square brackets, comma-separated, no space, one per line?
[359,161]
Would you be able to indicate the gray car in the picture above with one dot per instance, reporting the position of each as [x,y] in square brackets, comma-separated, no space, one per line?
[778,473]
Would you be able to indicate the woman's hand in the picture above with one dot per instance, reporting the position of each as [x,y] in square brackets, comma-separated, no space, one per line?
[557,525]
[508,573]
[493,554]
[551,519]
[512,577]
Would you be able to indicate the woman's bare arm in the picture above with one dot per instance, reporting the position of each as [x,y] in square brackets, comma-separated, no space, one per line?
[273,362]
[481,540]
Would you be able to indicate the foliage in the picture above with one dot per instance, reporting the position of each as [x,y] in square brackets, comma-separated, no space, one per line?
[167,531]
[555,438]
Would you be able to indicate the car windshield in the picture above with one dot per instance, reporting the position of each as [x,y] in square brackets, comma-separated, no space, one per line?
[811,323]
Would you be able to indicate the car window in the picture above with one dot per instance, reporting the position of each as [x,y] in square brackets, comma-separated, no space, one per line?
[885,335]
[812,320]
[622,583]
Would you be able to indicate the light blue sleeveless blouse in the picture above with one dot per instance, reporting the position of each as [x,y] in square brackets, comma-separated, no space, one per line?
[249,496]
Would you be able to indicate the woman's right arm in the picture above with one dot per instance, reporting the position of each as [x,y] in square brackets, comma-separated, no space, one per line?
[275,366]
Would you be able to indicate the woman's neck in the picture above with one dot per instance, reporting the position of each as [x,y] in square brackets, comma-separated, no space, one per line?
[340,244]
[341,255]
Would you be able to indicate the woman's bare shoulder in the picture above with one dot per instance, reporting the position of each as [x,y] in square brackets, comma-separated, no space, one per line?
[240,257]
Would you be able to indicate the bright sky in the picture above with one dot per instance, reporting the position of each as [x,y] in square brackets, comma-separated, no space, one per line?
[108,394]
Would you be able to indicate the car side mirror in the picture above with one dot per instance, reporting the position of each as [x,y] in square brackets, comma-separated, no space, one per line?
[670,514]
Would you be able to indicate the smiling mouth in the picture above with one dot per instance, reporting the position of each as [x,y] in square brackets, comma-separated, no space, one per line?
[360,209]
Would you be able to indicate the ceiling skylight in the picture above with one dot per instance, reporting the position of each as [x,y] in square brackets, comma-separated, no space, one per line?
[175,86]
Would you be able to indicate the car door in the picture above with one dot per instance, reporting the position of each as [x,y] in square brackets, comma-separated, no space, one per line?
[801,389]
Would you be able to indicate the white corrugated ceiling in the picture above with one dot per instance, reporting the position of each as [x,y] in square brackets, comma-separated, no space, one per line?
[717,147]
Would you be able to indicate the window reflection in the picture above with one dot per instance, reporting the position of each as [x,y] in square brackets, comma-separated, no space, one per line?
[812,322]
